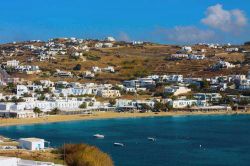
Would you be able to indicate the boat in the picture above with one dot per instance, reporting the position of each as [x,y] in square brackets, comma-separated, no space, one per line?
[100,136]
[151,139]
[118,144]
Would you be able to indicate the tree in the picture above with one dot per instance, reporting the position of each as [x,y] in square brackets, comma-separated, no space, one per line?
[112,102]
[83,105]
[11,87]
[145,107]
[169,107]
[37,110]
[205,84]
[55,111]
[14,99]
[158,106]
[77,67]
[41,97]
[91,104]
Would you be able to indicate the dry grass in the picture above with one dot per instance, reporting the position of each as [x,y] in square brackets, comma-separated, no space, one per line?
[46,156]
[132,62]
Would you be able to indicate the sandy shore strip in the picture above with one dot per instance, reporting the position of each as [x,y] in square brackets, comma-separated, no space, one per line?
[106,115]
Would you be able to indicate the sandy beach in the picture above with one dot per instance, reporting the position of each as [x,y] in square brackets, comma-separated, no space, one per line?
[106,115]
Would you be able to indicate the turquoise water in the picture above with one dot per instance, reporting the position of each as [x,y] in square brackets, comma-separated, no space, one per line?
[224,140]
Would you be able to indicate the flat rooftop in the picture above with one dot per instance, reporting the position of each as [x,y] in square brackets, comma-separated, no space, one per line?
[32,139]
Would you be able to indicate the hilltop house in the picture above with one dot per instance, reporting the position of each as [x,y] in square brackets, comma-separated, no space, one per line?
[186,49]
[196,57]
[232,49]
[12,63]
[172,78]
[110,39]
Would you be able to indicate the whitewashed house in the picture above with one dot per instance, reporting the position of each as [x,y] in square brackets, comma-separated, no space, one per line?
[12,63]
[31,143]
[107,93]
[108,45]
[96,69]
[184,103]
[232,49]
[196,57]
[21,89]
[186,49]
[98,45]
[109,69]
[176,90]
[110,39]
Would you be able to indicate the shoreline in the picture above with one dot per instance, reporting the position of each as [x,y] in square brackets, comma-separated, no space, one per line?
[108,115]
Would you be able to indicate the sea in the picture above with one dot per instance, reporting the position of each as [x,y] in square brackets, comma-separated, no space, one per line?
[213,140]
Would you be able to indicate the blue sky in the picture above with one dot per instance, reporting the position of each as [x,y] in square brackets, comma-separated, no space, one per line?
[165,21]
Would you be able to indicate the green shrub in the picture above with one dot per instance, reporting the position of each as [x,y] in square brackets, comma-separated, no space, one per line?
[85,155]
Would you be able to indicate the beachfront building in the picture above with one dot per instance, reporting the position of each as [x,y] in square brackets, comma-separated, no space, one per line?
[18,114]
[66,104]
[31,143]
[185,103]
[128,105]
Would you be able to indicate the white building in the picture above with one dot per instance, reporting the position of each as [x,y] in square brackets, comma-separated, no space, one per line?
[63,73]
[248,75]
[184,103]
[31,143]
[172,78]
[67,104]
[232,49]
[21,89]
[223,64]
[98,45]
[186,49]
[176,90]
[179,56]
[18,114]
[13,161]
[108,45]
[109,69]
[196,57]
[245,85]
[110,39]
[96,69]
[109,93]
[12,63]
